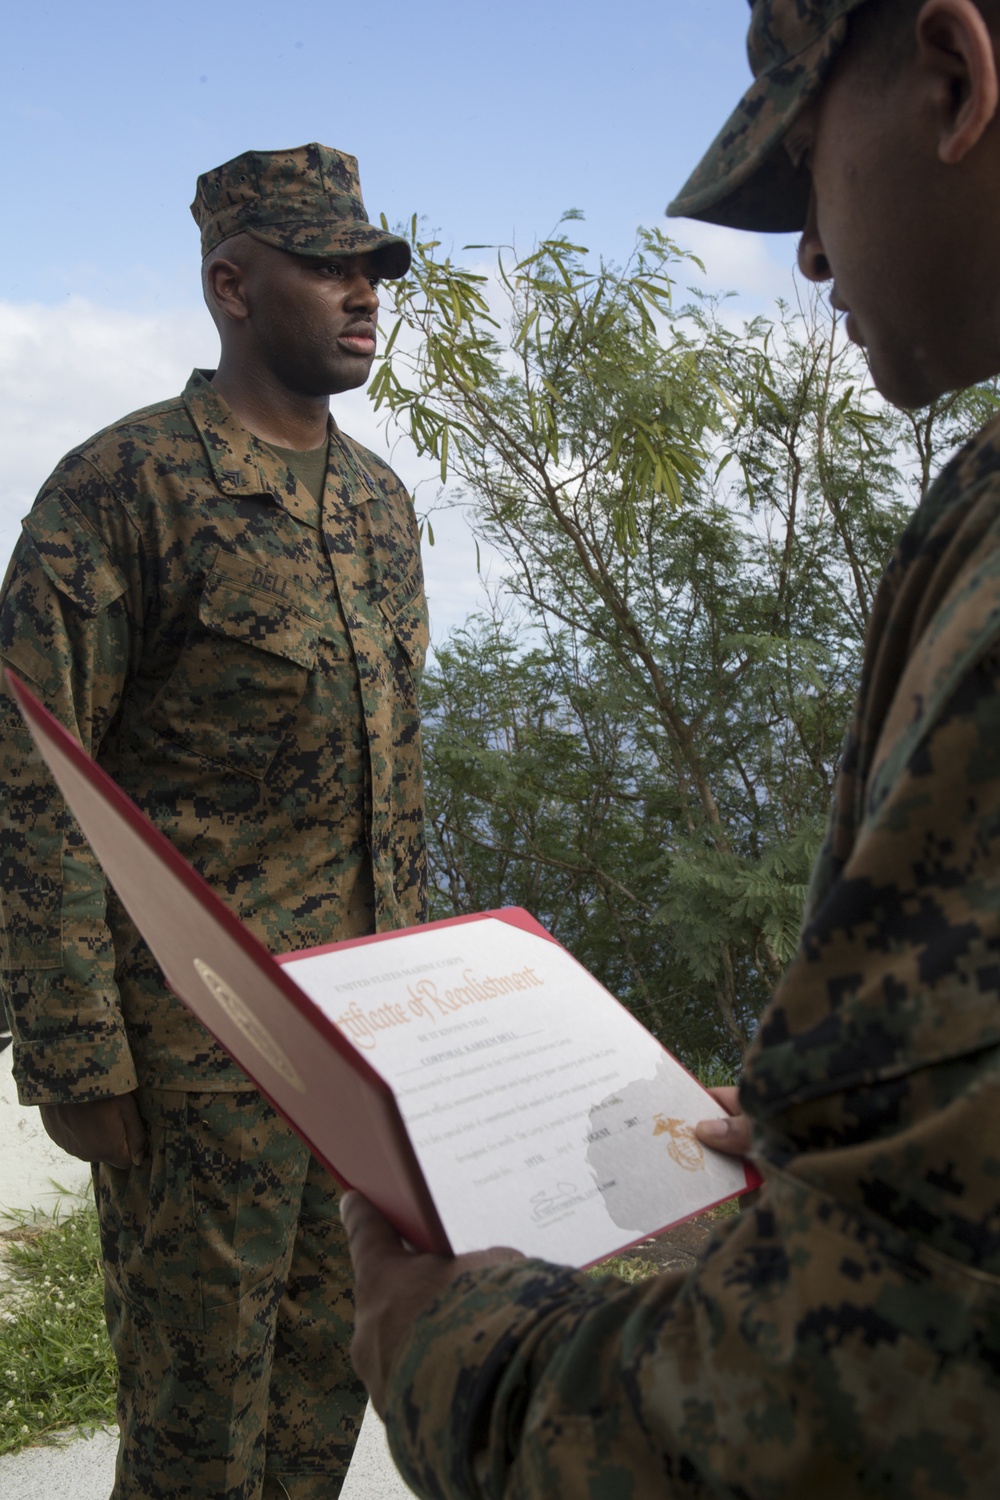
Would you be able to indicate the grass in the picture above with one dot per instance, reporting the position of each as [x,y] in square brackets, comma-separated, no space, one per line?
[713,1071]
[628,1268]
[56,1365]
[636,1268]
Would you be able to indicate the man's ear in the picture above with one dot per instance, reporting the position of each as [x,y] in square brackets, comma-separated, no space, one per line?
[955,47]
[225,289]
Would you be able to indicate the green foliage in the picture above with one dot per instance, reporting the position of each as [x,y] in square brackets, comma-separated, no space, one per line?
[641,745]
[625,1267]
[577,376]
[56,1366]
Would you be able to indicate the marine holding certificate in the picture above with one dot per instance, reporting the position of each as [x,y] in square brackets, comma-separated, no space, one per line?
[842,1339]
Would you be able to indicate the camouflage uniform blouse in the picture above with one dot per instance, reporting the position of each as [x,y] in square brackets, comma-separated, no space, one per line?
[244,662]
[842,1338]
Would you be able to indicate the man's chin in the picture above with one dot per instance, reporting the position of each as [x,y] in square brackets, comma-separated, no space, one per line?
[347,377]
[902,384]
[912,378]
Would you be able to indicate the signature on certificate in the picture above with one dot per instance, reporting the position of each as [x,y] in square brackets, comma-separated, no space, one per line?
[554,1201]
[683,1145]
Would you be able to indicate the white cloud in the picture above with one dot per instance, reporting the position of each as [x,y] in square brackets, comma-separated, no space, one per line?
[68,370]
[758,267]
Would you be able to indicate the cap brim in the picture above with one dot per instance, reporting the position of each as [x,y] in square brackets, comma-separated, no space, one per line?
[746,179]
[351,237]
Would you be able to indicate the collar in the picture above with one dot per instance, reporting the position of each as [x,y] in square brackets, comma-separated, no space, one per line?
[240,464]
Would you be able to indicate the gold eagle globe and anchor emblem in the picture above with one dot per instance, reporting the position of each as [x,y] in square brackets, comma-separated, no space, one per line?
[254,1030]
[684,1147]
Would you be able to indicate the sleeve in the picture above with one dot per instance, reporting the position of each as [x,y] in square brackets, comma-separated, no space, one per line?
[843,1336]
[66,629]
[813,1351]
[529,1381]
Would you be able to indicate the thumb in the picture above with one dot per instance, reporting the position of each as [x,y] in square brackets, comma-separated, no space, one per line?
[733,1135]
[370,1236]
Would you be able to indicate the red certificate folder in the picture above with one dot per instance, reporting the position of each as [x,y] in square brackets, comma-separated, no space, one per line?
[326,1088]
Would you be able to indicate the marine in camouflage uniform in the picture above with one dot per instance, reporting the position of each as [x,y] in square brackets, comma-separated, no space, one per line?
[842,1337]
[244,659]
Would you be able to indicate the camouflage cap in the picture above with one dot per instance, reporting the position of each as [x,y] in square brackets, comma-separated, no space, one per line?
[306,200]
[746,179]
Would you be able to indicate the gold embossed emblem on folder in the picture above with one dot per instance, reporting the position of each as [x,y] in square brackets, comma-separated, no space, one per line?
[255,1031]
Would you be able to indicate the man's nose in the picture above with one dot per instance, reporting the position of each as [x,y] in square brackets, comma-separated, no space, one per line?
[812,257]
[361,293]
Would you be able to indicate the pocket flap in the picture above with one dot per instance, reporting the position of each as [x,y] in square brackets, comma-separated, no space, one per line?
[242,612]
[406,611]
[72,553]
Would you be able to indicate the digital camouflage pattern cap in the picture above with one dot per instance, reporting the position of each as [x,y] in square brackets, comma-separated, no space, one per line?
[306,200]
[746,179]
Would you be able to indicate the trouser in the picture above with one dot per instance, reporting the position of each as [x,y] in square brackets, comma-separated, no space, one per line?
[229,1305]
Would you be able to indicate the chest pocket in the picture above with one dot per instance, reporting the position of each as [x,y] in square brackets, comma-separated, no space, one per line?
[243,669]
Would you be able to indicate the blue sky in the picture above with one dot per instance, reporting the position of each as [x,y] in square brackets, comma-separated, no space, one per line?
[488,120]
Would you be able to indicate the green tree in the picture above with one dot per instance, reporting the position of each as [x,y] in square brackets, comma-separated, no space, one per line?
[694,519]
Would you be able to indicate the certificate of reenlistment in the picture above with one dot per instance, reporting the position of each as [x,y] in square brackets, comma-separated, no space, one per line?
[543,1115]
[470,1077]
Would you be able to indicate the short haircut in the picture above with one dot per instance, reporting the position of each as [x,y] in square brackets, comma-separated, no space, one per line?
[238,248]
[884,31]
